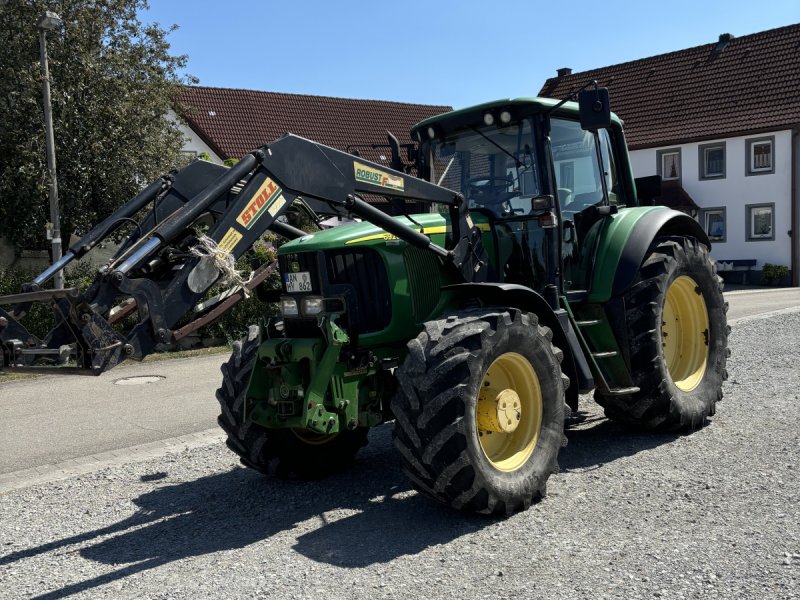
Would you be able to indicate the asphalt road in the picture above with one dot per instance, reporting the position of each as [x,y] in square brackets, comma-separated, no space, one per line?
[52,420]
[630,516]
[744,303]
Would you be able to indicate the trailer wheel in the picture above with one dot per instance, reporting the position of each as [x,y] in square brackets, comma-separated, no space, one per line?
[480,410]
[296,452]
[678,340]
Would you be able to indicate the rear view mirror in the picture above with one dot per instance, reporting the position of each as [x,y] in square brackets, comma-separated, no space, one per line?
[594,108]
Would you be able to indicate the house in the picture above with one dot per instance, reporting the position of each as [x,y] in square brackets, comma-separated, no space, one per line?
[228,123]
[719,123]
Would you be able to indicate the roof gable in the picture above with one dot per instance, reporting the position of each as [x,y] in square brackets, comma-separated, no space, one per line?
[234,122]
[748,84]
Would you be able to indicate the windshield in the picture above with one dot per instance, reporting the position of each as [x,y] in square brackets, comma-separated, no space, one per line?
[494,167]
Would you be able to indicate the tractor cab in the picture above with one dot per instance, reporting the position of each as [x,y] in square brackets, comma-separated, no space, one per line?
[544,172]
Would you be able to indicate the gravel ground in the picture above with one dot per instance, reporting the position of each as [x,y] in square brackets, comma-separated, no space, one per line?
[715,514]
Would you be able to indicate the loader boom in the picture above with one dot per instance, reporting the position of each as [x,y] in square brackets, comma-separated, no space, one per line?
[160,273]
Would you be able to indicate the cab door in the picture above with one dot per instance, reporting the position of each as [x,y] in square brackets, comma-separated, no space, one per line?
[586,178]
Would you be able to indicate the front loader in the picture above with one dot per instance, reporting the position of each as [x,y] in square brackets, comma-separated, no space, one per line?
[538,275]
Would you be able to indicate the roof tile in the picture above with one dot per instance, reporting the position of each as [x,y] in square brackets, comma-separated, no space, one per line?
[751,84]
[233,122]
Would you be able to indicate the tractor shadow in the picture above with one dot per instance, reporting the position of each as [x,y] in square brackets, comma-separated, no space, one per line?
[351,514]
[595,441]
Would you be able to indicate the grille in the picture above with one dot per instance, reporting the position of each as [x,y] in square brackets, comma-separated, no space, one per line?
[358,275]
[363,271]
[424,279]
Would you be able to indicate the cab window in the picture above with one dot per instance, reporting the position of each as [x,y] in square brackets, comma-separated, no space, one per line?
[578,174]
[495,167]
[610,170]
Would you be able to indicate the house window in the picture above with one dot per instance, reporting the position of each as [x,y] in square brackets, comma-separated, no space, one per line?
[760,156]
[760,222]
[669,164]
[567,175]
[712,161]
[714,224]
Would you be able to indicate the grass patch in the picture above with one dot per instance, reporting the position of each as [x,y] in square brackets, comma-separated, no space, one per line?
[159,356]
[6,377]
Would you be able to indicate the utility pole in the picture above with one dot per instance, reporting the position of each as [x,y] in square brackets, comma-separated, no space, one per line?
[50,21]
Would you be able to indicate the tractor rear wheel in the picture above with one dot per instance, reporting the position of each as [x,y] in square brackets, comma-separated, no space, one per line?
[480,410]
[678,340]
[297,452]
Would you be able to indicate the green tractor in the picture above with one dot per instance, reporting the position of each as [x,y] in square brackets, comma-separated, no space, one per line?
[537,274]
[580,288]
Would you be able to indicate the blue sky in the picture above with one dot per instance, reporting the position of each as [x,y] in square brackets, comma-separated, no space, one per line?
[448,52]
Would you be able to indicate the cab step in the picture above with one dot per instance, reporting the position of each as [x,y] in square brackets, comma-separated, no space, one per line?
[622,391]
[587,323]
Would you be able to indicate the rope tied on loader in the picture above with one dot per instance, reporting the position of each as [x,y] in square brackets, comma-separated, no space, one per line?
[224,261]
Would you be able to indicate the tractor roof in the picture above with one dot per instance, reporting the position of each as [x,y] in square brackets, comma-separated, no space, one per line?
[518,105]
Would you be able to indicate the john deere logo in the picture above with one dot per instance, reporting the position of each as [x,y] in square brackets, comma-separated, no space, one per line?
[366,174]
[295,267]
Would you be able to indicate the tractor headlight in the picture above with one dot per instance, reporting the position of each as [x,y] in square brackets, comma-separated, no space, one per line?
[289,307]
[312,306]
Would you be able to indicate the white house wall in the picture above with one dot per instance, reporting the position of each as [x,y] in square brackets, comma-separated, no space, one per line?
[192,142]
[734,191]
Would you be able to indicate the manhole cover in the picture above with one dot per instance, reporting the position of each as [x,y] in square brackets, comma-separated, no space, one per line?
[139,380]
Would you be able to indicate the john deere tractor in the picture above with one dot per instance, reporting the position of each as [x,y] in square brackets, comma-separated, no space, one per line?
[536,274]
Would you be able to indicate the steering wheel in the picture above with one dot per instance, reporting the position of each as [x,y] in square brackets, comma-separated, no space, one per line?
[489,190]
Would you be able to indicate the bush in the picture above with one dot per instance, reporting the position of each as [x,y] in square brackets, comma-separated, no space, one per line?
[233,325]
[774,273]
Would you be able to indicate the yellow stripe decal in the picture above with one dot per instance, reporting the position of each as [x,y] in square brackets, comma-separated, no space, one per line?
[426,230]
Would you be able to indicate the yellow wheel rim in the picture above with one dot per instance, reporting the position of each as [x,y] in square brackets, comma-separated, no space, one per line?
[508,412]
[312,438]
[684,333]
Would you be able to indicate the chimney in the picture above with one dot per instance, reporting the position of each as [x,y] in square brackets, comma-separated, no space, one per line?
[564,71]
[724,39]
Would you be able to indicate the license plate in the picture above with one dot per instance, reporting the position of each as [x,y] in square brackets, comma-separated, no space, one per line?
[298,282]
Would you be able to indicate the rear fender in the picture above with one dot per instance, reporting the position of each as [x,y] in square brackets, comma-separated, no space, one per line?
[625,240]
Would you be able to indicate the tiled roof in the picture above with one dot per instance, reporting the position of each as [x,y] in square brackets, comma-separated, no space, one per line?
[750,84]
[233,122]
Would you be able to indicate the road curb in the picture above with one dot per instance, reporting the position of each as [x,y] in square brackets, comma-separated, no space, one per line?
[94,462]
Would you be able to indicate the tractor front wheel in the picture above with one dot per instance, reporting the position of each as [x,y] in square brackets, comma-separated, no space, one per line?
[678,340]
[297,452]
[480,410]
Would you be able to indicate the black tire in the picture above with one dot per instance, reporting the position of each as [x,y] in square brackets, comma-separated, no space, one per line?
[436,430]
[661,403]
[303,454]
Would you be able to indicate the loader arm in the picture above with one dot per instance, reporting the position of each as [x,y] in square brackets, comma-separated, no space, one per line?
[164,268]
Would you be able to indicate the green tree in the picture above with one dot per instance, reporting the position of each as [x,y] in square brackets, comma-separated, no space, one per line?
[113,81]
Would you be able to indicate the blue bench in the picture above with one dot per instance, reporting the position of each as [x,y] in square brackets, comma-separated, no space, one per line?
[743,265]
